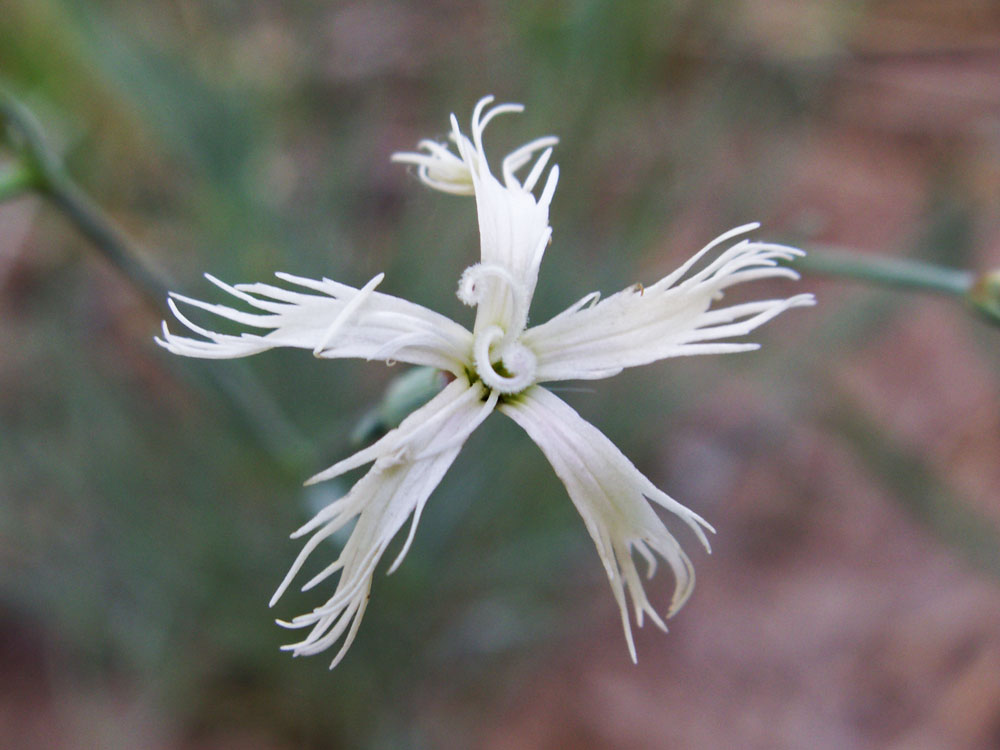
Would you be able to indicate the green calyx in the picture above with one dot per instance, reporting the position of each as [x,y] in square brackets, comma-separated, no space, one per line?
[984,296]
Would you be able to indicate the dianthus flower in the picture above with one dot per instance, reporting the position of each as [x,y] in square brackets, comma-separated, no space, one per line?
[499,366]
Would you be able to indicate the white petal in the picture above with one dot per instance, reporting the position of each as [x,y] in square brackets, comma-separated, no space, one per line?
[613,498]
[513,224]
[513,233]
[671,318]
[443,170]
[409,463]
[439,168]
[337,321]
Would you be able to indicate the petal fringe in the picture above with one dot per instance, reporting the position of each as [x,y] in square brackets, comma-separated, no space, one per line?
[513,224]
[673,318]
[336,321]
[613,498]
[409,462]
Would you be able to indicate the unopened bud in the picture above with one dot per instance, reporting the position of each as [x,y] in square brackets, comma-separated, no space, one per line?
[984,296]
[405,394]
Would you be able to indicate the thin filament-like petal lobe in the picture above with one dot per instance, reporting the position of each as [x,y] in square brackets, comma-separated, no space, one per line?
[334,321]
[448,172]
[513,223]
[439,168]
[613,498]
[408,464]
[672,318]
[513,227]
[513,233]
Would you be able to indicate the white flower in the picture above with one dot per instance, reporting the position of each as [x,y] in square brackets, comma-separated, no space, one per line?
[498,366]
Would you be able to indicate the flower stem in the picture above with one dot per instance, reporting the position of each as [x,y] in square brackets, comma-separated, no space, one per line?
[97,227]
[878,269]
[979,292]
[38,168]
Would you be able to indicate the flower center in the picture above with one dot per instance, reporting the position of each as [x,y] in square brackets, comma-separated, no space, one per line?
[502,362]
[504,367]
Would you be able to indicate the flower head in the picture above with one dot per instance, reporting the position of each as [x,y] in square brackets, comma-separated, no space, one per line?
[498,366]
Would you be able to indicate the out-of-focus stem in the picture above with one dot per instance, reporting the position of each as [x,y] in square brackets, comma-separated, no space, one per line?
[980,292]
[879,269]
[97,227]
[37,167]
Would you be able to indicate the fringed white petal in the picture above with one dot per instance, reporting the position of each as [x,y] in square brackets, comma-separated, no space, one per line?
[672,318]
[613,498]
[334,322]
[409,463]
[439,168]
[513,223]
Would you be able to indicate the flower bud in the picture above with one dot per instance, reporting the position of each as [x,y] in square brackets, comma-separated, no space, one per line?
[984,296]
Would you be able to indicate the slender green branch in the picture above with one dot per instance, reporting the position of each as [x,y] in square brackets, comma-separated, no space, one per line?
[878,269]
[97,227]
[979,292]
[37,167]
[42,170]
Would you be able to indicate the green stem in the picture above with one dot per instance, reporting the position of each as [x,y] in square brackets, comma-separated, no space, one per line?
[897,272]
[40,169]
[97,227]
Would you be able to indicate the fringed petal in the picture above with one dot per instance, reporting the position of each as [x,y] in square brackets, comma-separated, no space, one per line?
[513,224]
[673,318]
[613,498]
[409,462]
[335,321]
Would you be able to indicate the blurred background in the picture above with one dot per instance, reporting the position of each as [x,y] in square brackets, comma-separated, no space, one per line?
[851,467]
